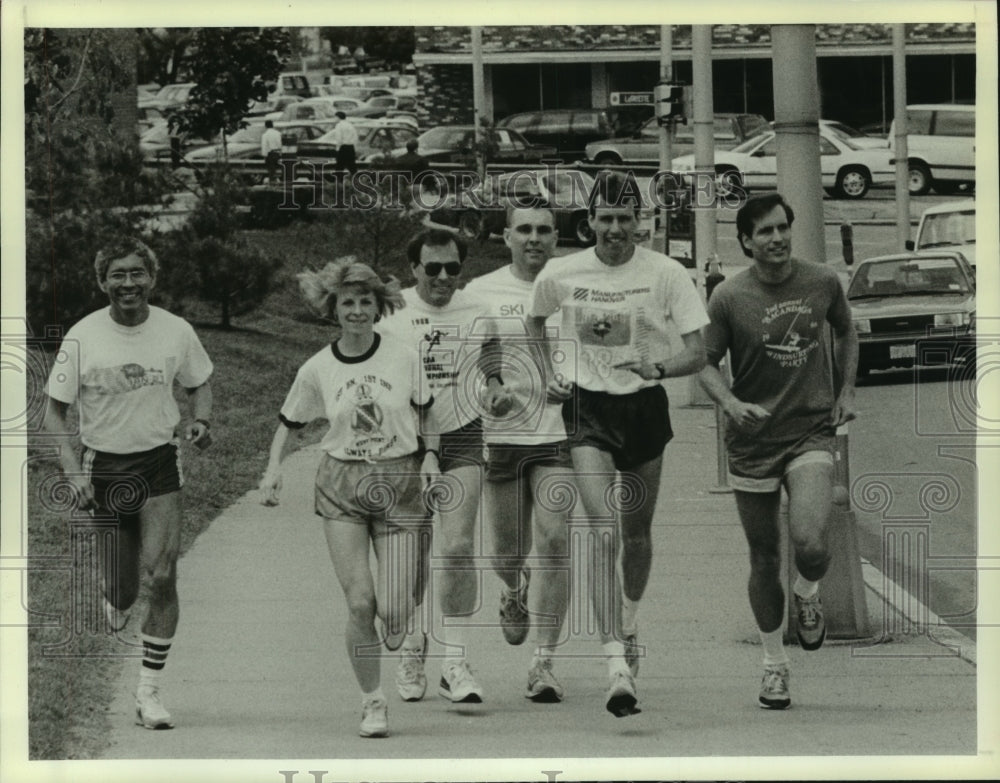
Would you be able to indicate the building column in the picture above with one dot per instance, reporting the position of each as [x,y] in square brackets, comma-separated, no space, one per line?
[599,93]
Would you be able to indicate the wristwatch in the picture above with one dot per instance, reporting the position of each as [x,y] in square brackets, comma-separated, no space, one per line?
[660,370]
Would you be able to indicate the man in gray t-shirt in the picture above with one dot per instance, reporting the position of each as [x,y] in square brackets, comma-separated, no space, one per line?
[782,412]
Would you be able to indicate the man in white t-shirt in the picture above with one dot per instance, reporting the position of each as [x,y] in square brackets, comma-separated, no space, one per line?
[440,321]
[119,366]
[622,303]
[527,457]
[345,138]
[270,149]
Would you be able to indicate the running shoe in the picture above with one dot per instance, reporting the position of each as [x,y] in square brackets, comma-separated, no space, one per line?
[116,618]
[514,612]
[632,651]
[458,685]
[811,627]
[621,695]
[374,718]
[774,687]
[411,682]
[149,710]
[543,687]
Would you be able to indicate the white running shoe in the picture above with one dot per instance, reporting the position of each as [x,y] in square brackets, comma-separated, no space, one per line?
[411,682]
[374,718]
[149,710]
[458,685]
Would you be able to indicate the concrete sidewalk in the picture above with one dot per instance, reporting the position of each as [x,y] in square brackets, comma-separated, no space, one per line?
[259,671]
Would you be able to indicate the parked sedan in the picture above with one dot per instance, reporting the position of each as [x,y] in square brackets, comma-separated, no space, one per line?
[847,172]
[245,143]
[321,108]
[374,136]
[157,142]
[456,144]
[643,146]
[950,226]
[483,211]
[913,309]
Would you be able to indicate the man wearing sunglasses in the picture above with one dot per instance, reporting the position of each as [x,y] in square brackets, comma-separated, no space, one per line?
[439,320]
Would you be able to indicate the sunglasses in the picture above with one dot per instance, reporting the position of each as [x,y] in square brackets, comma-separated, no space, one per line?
[433,268]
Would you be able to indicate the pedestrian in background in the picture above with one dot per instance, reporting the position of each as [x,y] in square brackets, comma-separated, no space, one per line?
[270,148]
[345,138]
[782,412]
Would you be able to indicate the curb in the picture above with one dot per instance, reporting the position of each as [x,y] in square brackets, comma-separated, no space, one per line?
[917,613]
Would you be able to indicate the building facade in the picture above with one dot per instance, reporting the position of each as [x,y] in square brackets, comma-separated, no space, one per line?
[570,66]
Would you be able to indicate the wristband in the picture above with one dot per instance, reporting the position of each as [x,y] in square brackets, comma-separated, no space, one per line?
[204,422]
[661,372]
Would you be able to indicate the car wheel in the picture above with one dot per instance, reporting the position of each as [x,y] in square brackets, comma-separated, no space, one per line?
[582,232]
[729,183]
[471,224]
[853,182]
[920,178]
[608,159]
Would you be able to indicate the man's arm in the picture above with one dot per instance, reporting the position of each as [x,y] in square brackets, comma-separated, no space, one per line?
[200,398]
[743,414]
[688,361]
[845,355]
[54,422]
[556,390]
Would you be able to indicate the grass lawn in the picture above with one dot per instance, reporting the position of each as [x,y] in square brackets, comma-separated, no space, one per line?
[71,661]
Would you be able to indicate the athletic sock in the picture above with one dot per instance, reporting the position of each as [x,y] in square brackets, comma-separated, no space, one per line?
[630,616]
[774,646]
[373,695]
[154,657]
[803,588]
[454,644]
[615,654]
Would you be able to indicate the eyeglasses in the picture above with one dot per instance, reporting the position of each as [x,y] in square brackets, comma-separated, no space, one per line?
[138,275]
[433,268]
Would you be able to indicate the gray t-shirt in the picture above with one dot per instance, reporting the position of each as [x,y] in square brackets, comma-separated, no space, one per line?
[779,345]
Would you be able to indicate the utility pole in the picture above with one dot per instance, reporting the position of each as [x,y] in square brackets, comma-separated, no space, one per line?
[666,131]
[479,100]
[796,125]
[901,145]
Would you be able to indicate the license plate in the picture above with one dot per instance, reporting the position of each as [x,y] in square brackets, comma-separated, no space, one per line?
[902,351]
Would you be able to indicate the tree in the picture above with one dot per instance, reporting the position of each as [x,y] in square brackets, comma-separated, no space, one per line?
[393,44]
[162,53]
[231,67]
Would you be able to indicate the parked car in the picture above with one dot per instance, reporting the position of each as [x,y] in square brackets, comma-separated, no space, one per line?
[374,136]
[949,226]
[847,172]
[567,191]
[245,143]
[321,108]
[940,145]
[913,309]
[379,105]
[292,83]
[568,130]
[148,116]
[272,106]
[643,146]
[858,138]
[157,142]
[456,144]
[169,96]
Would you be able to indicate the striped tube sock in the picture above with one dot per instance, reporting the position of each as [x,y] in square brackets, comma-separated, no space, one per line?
[153,659]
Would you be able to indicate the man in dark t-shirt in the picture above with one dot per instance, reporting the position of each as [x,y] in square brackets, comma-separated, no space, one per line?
[782,412]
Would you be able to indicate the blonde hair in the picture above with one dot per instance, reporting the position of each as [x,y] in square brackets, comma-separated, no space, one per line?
[320,289]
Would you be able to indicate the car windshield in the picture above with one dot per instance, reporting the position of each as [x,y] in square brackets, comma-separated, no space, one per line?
[908,277]
[443,138]
[753,142]
[949,228]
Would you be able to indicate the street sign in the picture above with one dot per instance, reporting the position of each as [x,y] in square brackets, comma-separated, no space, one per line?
[631,99]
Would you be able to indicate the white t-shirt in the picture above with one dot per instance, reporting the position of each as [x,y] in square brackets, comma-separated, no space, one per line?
[618,313]
[532,419]
[443,338]
[123,378]
[368,400]
[344,133]
[270,140]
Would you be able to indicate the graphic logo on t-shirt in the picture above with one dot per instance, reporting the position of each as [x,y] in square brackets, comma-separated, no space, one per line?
[790,332]
[367,415]
[580,294]
[124,378]
[603,327]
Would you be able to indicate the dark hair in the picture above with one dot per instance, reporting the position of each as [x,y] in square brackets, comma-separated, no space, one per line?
[268,124]
[411,145]
[614,189]
[340,115]
[541,204]
[753,210]
[434,237]
[122,247]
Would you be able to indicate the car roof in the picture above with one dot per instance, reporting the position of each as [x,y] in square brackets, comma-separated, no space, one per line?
[952,206]
[913,256]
